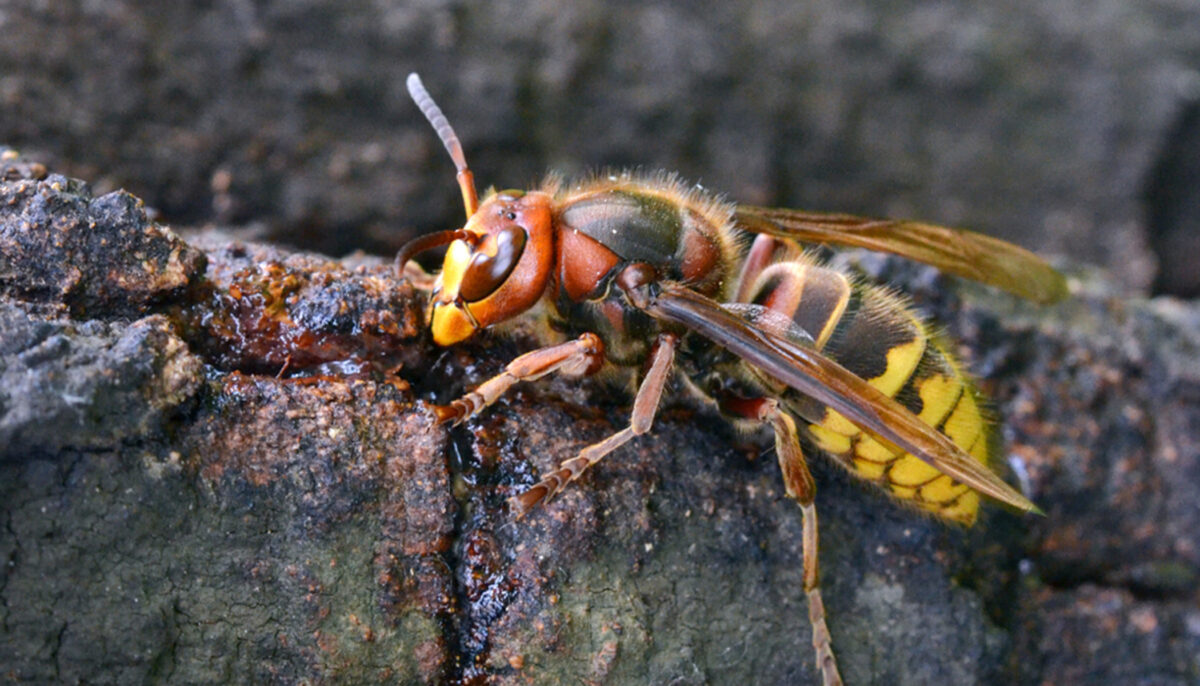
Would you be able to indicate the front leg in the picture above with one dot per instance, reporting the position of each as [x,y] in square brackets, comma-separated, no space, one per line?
[579,357]
[645,405]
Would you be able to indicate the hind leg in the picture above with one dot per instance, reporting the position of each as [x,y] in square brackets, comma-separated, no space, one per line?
[798,482]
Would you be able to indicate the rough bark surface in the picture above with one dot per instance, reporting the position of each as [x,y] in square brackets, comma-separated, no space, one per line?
[233,477]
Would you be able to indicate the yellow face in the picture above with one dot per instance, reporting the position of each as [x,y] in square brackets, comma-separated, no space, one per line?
[451,321]
[497,273]
[451,324]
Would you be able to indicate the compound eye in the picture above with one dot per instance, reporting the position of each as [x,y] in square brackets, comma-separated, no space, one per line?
[487,271]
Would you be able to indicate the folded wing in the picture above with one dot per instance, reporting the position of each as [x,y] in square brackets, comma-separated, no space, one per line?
[964,253]
[803,368]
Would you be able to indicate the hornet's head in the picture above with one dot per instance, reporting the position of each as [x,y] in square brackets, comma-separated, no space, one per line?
[498,265]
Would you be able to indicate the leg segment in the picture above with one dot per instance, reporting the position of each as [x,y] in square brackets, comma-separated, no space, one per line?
[798,482]
[579,357]
[644,407]
[762,251]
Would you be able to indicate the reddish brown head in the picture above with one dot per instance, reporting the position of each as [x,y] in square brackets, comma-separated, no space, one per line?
[498,270]
[497,266]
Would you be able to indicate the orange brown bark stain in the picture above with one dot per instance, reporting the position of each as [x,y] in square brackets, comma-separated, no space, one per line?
[269,314]
[351,445]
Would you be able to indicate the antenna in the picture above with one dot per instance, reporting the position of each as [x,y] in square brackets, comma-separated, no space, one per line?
[429,108]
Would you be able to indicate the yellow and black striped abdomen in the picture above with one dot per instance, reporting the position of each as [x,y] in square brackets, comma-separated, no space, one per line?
[877,336]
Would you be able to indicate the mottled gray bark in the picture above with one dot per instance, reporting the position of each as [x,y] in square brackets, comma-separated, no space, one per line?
[173,511]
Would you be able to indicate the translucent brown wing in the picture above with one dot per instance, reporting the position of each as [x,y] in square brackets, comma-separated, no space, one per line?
[805,369]
[964,253]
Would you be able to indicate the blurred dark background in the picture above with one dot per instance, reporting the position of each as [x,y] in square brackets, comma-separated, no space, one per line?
[1069,126]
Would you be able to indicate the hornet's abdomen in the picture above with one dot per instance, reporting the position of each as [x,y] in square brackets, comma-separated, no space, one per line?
[877,336]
